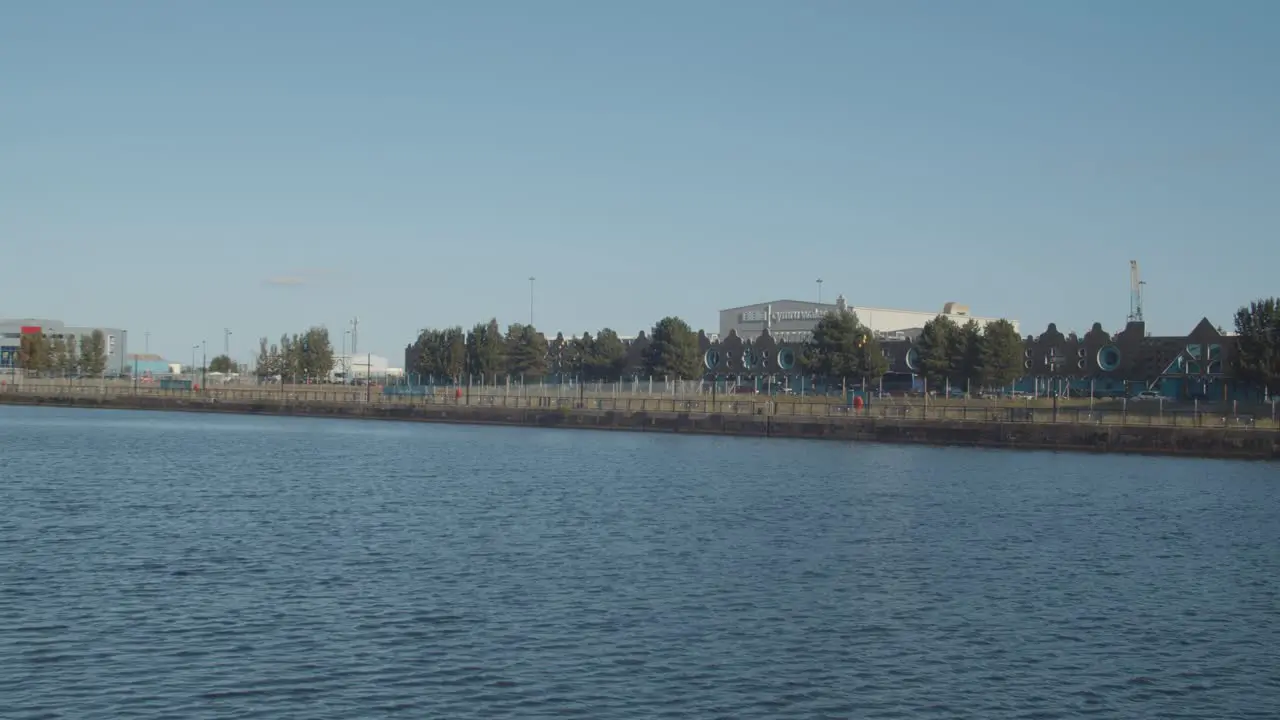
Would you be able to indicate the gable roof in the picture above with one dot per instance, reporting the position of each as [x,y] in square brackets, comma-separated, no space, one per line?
[777,302]
[1204,326]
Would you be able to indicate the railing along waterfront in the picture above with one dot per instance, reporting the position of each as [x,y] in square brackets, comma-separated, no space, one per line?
[1146,413]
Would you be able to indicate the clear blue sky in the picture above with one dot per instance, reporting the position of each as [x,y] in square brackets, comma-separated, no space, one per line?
[183,167]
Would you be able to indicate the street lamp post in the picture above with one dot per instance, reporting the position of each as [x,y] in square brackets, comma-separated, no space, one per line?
[194,348]
[204,362]
[531,301]
[819,291]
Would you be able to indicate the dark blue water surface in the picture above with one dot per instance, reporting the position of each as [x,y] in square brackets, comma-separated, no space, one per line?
[189,566]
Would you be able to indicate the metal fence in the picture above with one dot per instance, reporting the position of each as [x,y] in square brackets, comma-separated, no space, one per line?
[562,397]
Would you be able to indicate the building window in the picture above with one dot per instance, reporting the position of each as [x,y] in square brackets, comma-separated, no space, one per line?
[111,344]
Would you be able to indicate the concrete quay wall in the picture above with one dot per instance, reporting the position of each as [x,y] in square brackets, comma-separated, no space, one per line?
[1239,443]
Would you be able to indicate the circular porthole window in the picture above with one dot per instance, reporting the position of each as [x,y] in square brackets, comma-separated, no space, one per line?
[1109,358]
[711,359]
[786,358]
[748,359]
[913,359]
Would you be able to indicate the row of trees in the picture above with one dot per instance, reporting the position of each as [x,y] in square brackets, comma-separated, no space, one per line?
[486,351]
[966,355]
[66,356]
[305,355]
[841,347]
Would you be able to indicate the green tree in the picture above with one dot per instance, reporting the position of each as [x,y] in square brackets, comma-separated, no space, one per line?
[577,357]
[605,356]
[871,359]
[526,350]
[474,340]
[426,347]
[557,355]
[510,347]
[939,348]
[442,354]
[968,363]
[34,352]
[222,364]
[287,362]
[277,366]
[673,350]
[268,360]
[93,354]
[830,351]
[842,348]
[486,351]
[71,362]
[455,353]
[315,353]
[1257,356]
[58,356]
[1002,354]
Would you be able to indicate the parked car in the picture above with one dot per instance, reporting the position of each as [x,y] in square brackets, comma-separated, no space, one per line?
[1150,395]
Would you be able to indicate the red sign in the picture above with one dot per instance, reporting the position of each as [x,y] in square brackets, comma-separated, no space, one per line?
[30,329]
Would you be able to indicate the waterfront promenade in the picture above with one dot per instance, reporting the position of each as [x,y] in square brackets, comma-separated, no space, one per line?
[1130,427]
[627,398]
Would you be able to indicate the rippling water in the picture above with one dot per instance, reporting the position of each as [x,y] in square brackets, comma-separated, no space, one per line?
[188,566]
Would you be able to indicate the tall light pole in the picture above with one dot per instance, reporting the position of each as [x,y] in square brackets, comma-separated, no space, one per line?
[819,291]
[146,342]
[226,342]
[194,348]
[531,301]
[346,364]
[204,362]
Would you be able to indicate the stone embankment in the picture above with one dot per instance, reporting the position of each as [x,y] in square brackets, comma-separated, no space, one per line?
[1232,442]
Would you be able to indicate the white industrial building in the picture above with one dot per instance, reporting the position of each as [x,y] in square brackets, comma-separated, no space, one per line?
[794,320]
[364,366]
